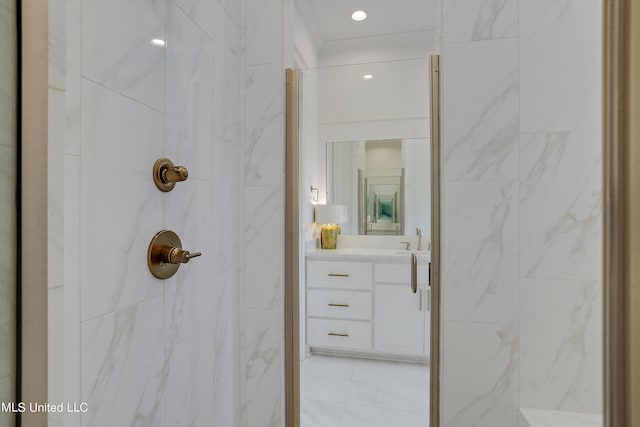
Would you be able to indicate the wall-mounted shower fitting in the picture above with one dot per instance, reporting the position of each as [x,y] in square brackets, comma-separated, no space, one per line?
[165,254]
[166,174]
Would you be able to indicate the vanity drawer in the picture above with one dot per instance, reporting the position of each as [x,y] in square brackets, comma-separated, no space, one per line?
[339,275]
[399,273]
[344,334]
[339,304]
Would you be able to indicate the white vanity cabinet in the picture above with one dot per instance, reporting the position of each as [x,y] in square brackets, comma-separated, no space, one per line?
[366,306]
[401,316]
[339,305]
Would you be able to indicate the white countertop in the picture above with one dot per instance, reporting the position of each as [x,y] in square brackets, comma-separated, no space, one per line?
[368,254]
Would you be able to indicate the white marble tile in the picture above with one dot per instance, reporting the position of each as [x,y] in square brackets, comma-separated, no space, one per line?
[288,25]
[55,191]
[8,72]
[329,382]
[316,366]
[226,200]
[481,371]
[188,295]
[227,105]
[189,389]
[118,225]
[225,370]
[234,9]
[561,345]
[123,367]
[72,387]
[561,205]
[339,391]
[546,418]
[384,372]
[263,235]
[264,32]
[481,111]
[57,21]
[263,367]
[189,94]
[318,413]
[55,344]
[200,11]
[480,255]
[73,72]
[561,63]
[7,233]
[408,395]
[532,419]
[55,419]
[479,20]
[364,416]
[264,147]
[117,49]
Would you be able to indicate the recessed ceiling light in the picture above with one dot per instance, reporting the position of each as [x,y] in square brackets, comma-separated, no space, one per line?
[158,42]
[359,15]
[367,77]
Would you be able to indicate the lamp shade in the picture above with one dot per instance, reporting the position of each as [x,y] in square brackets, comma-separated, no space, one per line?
[330,214]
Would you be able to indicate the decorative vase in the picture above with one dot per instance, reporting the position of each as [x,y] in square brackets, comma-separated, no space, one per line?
[329,236]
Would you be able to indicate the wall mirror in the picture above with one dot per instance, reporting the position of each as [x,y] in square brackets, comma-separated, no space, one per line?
[385,185]
[364,130]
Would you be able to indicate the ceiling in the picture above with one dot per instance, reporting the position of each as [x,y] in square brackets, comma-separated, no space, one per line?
[331,19]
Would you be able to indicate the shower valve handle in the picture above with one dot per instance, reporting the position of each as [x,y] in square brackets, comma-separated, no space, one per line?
[166,174]
[165,254]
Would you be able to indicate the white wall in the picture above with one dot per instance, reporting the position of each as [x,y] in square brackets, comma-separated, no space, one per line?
[416,155]
[521,209]
[137,349]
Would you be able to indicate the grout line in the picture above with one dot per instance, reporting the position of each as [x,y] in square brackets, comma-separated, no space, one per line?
[123,308]
[114,91]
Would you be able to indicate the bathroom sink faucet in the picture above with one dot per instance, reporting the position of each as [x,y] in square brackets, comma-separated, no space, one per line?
[407,246]
[419,234]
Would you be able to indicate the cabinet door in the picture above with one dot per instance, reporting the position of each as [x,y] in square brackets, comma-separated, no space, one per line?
[399,320]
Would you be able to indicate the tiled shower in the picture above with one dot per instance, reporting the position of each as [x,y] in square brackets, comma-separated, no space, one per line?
[201,82]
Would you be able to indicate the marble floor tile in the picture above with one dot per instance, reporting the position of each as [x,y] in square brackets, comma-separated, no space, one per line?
[318,413]
[338,368]
[351,392]
[346,391]
[362,416]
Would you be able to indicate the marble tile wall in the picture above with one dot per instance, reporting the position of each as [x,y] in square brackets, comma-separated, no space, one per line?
[262,272]
[561,205]
[8,118]
[137,349]
[522,209]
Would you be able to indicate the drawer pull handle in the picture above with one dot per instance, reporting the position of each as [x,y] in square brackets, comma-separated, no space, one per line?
[333,334]
[338,305]
[338,275]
